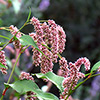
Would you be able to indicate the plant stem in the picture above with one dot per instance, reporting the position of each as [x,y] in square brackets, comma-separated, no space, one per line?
[94,75]
[4,37]
[11,74]
[70,90]
[2,97]
[25,49]
[4,28]
[4,46]
[82,83]
[50,49]
[27,20]
[13,68]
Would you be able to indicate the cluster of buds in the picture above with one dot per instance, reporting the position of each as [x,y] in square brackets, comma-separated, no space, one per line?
[99,69]
[25,75]
[3,61]
[51,35]
[30,94]
[72,74]
[14,31]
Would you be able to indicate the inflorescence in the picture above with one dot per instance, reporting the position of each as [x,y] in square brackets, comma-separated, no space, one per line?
[50,39]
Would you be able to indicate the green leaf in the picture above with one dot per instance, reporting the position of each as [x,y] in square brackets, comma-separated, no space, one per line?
[96,66]
[27,40]
[2,66]
[57,80]
[4,37]
[46,96]
[23,86]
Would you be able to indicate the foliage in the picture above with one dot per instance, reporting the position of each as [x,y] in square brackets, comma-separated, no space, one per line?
[85,23]
[57,80]
[67,84]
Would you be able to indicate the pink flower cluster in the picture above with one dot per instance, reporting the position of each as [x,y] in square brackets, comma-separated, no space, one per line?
[64,67]
[30,94]
[84,61]
[99,69]
[25,75]
[71,73]
[51,35]
[3,61]
[13,31]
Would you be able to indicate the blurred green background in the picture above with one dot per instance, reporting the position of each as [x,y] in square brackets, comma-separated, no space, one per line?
[81,22]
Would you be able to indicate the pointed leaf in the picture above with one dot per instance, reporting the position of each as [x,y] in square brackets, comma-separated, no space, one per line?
[46,96]
[2,66]
[57,80]
[4,37]
[23,86]
[96,66]
[27,40]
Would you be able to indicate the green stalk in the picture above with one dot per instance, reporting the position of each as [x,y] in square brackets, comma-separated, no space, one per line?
[2,97]
[6,28]
[51,49]
[82,83]
[4,37]
[4,46]
[70,90]
[94,75]
[24,49]
[14,68]
[11,73]
[27,20]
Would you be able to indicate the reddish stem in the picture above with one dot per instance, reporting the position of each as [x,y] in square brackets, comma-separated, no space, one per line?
[4,91]
[89,75]
[11,40]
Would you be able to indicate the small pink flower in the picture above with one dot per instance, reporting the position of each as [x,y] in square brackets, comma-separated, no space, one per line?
[30,94]
[51,35]
[64,67]
[73,74]
[62,39]
[99,69]
[25,75]
[84,61]
[37,26]
[14,30]
[3,61]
